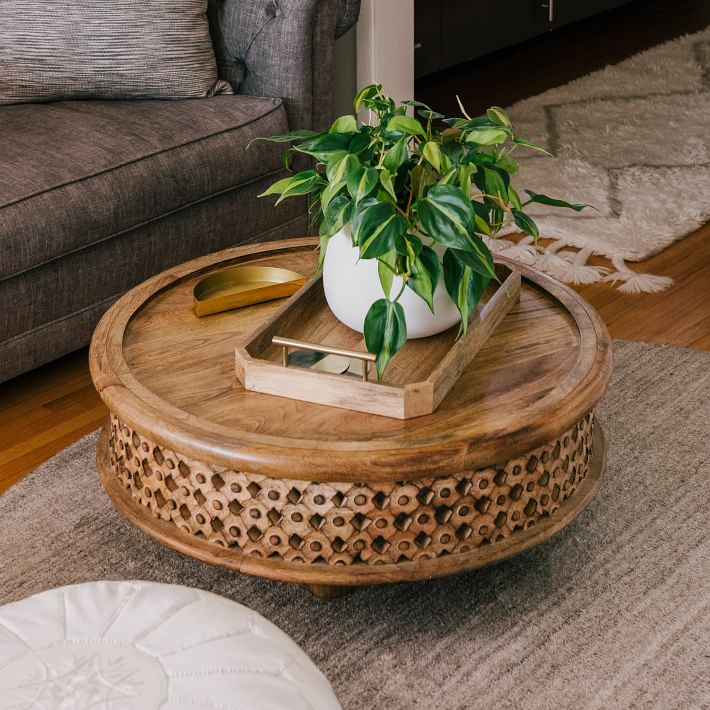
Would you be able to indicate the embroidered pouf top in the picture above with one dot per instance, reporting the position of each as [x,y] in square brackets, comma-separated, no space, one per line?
[146,646]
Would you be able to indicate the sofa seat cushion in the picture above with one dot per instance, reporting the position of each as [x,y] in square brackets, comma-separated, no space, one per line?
[79,172]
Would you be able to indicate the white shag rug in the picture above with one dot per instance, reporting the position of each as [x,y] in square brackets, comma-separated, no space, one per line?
[632,139]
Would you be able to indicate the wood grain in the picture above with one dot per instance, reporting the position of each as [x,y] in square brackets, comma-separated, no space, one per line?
[170,375]
[200,548]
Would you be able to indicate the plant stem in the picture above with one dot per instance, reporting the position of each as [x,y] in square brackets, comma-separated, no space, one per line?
[401,290]
[497,198]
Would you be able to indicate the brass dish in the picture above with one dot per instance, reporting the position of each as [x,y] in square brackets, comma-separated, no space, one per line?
[243,286]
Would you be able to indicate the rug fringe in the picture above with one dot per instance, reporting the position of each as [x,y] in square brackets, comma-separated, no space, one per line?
[635,282]
[570,266]
[523,251]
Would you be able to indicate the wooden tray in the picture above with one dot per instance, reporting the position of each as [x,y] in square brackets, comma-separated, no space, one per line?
[416,380]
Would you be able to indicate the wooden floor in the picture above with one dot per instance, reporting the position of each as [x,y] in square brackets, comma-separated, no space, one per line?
[47,409]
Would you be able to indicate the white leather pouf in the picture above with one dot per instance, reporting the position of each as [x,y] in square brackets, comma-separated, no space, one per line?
[145,646]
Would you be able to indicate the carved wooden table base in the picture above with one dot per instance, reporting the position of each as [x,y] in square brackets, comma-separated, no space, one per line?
[316,530]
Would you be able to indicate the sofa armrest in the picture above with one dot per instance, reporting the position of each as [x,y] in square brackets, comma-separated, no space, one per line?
[348,12]
[286,48]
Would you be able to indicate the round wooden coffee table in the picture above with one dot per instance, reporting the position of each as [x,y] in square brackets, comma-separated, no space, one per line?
[334,498]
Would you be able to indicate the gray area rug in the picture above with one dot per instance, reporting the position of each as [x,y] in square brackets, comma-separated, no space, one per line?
[614,612]
[633,140]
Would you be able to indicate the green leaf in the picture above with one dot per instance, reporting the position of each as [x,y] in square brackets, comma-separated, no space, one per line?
[425,269]
[328,193]
[454,151]
[545,200]
[385,270]
[278,187]
[299,184]
[424,110]
[465,172]
[464,285]
[385,331]
[421,176]
[415,103]
[482,226]
[478,122]
[386,182]
[405,124]
[513,197]
[507,163]
[479,259]
[409,245]
[299,135]
[322,247]
[530,144]
[344,124]
[448,178]
[367,92]
[358,212]
[487,136]
[359,143]
[396,156]
[337,213]
[479,159]
[323,146]
[482,218]
[377,228]
[361,182]
[339,167]
[498,115]
[432,152]
[525,223]
[495,183]
[446,215]
[430,115]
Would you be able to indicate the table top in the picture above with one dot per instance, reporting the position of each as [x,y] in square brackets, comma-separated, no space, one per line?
[171,376]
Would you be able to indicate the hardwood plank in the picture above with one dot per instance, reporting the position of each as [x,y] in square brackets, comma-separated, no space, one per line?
[44,411]
[676,316]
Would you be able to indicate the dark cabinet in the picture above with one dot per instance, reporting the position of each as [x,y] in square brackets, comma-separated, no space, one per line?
[427,38]
[474,28]
[448,32]
[565,11]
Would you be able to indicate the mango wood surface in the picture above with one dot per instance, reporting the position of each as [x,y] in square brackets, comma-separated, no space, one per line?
[323,579]
[171,376]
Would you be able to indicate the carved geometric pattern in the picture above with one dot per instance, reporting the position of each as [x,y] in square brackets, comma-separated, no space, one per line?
[350,523]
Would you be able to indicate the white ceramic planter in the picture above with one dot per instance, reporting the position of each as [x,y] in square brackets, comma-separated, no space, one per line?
[352,286]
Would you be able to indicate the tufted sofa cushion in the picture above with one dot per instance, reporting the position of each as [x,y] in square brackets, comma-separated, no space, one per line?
[145,646]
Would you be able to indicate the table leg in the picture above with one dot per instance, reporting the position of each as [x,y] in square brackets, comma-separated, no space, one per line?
[328,591]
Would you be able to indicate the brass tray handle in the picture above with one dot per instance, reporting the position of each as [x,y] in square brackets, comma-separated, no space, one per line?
[287,343]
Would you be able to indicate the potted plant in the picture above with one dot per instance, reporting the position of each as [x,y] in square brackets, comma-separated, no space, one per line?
[403,204]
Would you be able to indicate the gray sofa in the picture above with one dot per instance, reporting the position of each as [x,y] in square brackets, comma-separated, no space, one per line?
[96,196]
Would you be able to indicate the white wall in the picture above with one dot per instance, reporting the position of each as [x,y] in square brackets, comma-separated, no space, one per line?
[379,49]
[385,46]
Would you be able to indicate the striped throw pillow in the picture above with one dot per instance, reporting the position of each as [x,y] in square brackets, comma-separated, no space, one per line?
[108,49]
